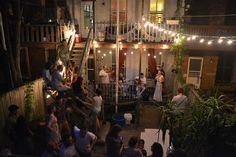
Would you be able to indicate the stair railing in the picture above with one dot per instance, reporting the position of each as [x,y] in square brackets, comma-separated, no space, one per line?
[85,52]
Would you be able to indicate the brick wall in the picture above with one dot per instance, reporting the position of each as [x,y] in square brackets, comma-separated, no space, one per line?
[217,7]
[209,71]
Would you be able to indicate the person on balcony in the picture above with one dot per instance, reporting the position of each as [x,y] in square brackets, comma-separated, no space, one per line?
[63,52]
[58,83]
[158,90]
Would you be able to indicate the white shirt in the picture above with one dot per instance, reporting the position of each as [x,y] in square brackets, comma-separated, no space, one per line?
[83,144]
[104,77]
[98,103]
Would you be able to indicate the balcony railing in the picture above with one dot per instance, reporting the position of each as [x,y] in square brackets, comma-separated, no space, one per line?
[127,91]
[47,33]
[135,32]
[210,30]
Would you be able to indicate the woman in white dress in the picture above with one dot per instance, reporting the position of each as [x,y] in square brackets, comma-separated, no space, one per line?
[158,90]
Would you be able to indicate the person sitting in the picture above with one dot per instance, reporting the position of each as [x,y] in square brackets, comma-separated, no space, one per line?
[85,140]
[132,149]
[141,147]
[58,83]
[46,74]
[157,150]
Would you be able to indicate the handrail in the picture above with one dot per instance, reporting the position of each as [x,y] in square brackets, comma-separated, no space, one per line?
[85,52]
[72,40]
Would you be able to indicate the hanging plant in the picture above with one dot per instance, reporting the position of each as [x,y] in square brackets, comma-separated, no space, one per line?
[29,101]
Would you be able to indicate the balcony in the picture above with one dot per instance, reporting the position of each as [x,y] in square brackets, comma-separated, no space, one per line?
[136,32]
[211,30]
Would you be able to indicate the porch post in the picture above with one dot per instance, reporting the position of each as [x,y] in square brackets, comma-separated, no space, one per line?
[117,51]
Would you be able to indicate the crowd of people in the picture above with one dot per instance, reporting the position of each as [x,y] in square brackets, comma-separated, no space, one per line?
[66,139]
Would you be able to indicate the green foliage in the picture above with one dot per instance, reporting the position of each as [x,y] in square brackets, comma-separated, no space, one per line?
[206,126]
[29,101]
[178,50]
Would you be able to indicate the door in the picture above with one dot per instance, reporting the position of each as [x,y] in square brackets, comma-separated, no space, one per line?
[194,71]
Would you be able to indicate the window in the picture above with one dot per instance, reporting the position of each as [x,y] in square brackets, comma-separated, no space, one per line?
[156,10]
[88,16]
[224,68]
[122,13]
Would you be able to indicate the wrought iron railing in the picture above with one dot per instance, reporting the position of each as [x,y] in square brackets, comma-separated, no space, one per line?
[126,91]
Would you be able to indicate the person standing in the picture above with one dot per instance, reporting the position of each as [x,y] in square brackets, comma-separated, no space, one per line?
[85,140]
[63,52]
[114,141]
[180,100]
[52,126]
[103,75]
[132,150]
[158,90]
[143,82]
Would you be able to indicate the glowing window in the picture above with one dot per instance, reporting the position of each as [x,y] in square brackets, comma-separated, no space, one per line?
[156,10]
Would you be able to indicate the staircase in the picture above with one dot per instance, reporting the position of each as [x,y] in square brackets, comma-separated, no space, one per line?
[80,53]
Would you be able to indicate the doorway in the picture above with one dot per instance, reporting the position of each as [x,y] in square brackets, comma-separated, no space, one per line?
[194,71]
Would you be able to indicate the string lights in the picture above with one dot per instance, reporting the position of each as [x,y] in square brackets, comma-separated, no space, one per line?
[229,40]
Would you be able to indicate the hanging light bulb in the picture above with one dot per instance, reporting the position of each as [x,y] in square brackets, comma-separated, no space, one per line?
[104,54]
[209,42]
[202,40]
[110,52]
[143,19]
[229,42]
[188,38]
[173,34]
[165,32]
[183,37]
[125,53]
[194,37]
[155,57]
[144,49]
[169,32]
[132,52]
[160,53]
[220,41]
[99,51]
[148,54]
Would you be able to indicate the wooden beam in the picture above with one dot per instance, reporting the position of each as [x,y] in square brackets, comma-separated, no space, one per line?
[135,45]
